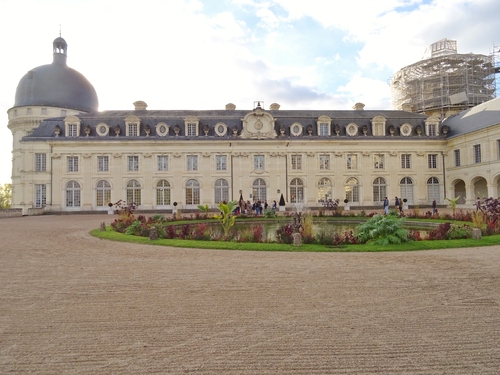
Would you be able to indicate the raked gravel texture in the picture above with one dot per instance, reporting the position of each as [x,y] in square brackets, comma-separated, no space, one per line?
[74,304]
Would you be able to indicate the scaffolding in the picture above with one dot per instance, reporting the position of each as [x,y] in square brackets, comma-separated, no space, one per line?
[446,82]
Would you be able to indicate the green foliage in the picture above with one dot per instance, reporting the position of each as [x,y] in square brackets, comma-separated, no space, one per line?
[226,216]
[269,214]
[5,195]
[453,203]
[203,208]
[382,230]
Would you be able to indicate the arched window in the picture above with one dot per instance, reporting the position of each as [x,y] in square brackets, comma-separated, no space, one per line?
[352,190]
[379,190]
[73,194]
[433,190]
[134,192]
[297,191]
[406,189]
[324,190]
[259,190]
[163,193]
[103,193]
[192,192]
[221,191]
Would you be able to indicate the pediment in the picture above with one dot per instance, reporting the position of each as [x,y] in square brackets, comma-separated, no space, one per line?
[258,124]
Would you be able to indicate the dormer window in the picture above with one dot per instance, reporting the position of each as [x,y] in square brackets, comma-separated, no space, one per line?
[191,126]
[132,130]
[132,126]
[72,126]
[324,125]
[431,126]
[378,126]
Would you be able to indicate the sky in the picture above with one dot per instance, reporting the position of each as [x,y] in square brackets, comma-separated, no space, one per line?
[204,54]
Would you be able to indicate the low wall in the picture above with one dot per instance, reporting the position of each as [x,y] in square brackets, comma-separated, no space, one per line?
[11,212]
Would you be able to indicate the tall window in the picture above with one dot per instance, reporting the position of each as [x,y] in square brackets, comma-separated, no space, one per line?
[259,190]
[72,163]
[379,161]
[163,193]
[379,189]
[133,130]
[352,190]
[221,163]
[103,193]
[406,161]
[73,194]
[324,190]
[258,162]
[406,189]
[221,193]
[433,190]
[296,191]
[162,162]
[352,161]
[296,162]
[192,162]
[324,129]
[432,128]
[40,195]
[477,153]
[324,161]
[72,130]
[432,161]
[192,192]
[133,163]
[40,162]
[498,149]
[134,192]
[103,163]
[191,129]
[456,153]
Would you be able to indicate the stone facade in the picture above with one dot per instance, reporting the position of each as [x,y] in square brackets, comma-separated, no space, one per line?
[66,159]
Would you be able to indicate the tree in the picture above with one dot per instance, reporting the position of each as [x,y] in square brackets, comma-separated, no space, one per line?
[5,195]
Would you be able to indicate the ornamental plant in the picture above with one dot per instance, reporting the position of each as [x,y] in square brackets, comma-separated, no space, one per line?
[226,217]
[382,230]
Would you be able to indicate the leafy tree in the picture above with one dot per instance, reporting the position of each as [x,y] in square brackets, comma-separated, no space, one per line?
[5,195]
[383,230]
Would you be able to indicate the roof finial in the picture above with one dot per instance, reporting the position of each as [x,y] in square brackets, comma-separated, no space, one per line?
[59,30]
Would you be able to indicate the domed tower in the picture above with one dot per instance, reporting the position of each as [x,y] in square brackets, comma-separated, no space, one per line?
[52,90]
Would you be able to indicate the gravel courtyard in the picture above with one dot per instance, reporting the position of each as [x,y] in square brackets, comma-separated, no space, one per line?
[74,304]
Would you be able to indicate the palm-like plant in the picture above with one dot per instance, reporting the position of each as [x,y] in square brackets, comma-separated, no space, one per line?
[453,203]
[383,230]
[226,217]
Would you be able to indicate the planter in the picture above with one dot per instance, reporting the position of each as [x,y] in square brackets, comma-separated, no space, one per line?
[282,208]
[405,206]
[347,208]
[110,212]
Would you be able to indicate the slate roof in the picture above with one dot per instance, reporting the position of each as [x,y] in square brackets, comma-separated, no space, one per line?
[479,117]
[232,119]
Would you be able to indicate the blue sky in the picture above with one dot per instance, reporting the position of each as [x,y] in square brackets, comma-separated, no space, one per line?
[203,54]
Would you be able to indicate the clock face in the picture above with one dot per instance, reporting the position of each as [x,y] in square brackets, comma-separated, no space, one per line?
[102,129]
[221,129]
[296,129]
[162,129]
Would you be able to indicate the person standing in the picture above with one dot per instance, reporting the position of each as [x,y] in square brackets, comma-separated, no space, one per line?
[401,207]
[434,207]
[396,203]
[386,205]
[478,204]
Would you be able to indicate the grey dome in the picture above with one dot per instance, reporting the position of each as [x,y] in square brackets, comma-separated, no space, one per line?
[57,85]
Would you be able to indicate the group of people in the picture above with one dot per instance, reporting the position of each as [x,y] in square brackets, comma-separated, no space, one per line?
[256,207]
[398,203]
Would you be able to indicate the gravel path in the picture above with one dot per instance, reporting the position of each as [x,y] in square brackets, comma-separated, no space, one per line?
[74,304]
